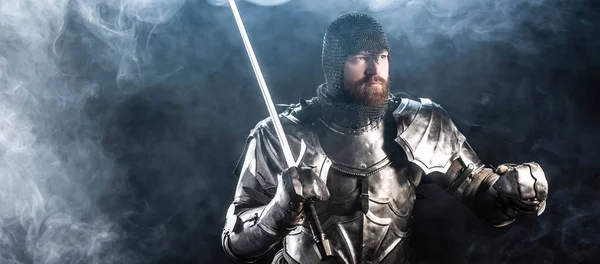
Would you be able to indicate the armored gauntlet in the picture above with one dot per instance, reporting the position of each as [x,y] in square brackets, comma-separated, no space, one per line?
[512,190]
[296,186]
[251,232]
[521,189]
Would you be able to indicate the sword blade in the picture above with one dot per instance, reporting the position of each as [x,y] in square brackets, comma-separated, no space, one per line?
[287,152]
[321,242]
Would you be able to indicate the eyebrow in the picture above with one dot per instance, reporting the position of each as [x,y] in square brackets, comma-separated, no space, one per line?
[359,54]
[364,53]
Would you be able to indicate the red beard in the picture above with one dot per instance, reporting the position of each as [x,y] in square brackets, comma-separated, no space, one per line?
[363,92]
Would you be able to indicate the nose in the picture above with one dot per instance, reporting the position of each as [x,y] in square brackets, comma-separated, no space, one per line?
[372,67]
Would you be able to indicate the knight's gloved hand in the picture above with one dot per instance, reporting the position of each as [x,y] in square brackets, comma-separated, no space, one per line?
[296,186]
[302,184]
[523,186]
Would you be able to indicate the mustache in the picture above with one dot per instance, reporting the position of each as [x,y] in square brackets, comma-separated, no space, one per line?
[361,92]
[372,78]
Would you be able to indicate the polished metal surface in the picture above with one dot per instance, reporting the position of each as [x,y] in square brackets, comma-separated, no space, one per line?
[371,177]
[427,135]
[359,153]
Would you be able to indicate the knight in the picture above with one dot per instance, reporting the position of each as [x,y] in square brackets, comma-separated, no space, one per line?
[366,151]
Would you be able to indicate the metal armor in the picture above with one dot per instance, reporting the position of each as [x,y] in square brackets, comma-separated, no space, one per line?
[371,174]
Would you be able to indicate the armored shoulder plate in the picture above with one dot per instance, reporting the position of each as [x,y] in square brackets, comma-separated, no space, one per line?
[297,122]
[427,135]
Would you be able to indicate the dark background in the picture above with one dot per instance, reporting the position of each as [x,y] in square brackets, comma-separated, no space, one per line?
[121,123]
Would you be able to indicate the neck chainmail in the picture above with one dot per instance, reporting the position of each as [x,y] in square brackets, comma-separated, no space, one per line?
[349,115]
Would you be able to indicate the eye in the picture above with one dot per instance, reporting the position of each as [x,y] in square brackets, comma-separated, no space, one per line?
[383,56]
[361,58]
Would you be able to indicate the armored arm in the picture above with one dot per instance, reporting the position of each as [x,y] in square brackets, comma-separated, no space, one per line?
[496,196]
[251,231]
[261,214]
[268,200]
[432,142]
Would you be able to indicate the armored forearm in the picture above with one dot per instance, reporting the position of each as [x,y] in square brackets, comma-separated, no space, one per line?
[268,200]
[243,239]
[497,196]
[250,233]
[476,192]
[431,141]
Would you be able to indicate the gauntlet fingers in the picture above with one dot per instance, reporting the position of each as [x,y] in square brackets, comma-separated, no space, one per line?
[542,208]
[312,185]
[526,182]
[289,183]
[302,184]
[527,206]
[524,187]
[541,183]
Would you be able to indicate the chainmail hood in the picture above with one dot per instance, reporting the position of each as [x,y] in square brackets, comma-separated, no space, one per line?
[349,34]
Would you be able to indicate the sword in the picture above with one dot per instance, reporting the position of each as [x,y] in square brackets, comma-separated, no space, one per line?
[322,245]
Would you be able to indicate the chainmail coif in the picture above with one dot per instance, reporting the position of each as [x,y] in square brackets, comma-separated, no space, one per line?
[347,35]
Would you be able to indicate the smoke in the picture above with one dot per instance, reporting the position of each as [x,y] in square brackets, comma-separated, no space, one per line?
[424,22]
[53,168]
[115,22]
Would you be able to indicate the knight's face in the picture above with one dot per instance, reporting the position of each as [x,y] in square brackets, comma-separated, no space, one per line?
[366,77]
[362,66]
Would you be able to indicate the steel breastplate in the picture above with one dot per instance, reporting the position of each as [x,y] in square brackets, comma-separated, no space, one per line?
[358,153]
[343,159]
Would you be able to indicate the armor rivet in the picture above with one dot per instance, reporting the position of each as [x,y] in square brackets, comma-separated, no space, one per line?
[364,166]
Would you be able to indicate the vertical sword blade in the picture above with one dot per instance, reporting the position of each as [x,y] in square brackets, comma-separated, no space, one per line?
[322,243]
[287,152]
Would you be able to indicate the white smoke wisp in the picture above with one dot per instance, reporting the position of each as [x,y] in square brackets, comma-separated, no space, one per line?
[153,11]
[50,151]
[114,22]
[424,22]
[466,22]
